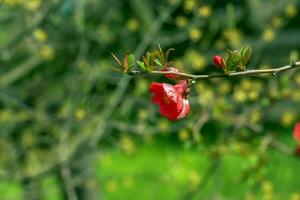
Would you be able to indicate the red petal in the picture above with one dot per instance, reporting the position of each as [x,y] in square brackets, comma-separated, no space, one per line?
[185,110]
[169,110]
[156,87]
[182,86]
[170,91]
[157,99]
[297,132]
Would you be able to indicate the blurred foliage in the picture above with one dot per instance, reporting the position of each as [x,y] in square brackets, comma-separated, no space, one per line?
[61,103]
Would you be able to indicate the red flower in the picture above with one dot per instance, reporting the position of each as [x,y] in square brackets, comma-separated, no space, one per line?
[297,132]
[172,99]
[172,69]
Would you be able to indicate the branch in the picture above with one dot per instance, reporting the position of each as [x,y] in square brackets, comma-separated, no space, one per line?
[67,181]
[273,71]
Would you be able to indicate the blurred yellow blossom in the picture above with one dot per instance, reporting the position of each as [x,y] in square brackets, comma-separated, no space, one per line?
[194,179]
[291,10]
[240,95]
[80,114]
[268,35]
[127,145]
[181,21]
[233,36]
[267,187]
[295,196]
[189,5]
[173,2]
[83,65]
[143,114]
[296,96]
[195,34]
[253,95]
[255,116]
[111,186]
[32,5]
[11,2]
[288,118]
[28,139]
[133,25]
[163,125]
[205,11]
[219,44]
[183,135]
[247,90]
[277,22]
[246,84]
[127,182]
[196,60]
[224,87]
[47,52]
[40,35]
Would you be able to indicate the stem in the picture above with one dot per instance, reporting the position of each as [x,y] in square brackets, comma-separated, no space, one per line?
[272,71]
[68,183]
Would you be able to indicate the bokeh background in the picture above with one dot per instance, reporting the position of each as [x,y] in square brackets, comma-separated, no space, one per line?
[73,128]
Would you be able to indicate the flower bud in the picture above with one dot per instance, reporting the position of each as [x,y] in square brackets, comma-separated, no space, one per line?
[172,76]
[218,61]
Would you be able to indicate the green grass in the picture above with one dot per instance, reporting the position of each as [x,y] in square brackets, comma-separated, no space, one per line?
[166,171]
[163,170]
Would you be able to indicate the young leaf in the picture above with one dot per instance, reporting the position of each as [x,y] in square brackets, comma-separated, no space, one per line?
[142,66]
[130,59]
[158,61]
[125,63]
[245,53]
[233,60]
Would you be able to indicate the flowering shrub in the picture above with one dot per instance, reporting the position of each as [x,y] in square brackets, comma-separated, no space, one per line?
[63,111]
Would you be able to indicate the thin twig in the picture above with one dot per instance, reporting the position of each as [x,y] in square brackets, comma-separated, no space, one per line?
[68,184]
[273,71]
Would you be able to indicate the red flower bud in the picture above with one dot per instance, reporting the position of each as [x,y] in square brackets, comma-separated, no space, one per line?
[172,69]
[218,61]
[172,99]
[297,132]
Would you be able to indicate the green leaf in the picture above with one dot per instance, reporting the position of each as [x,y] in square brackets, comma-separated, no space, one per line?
[142,66]
[245,53]
[233,60]
[158,61]
[131,60]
